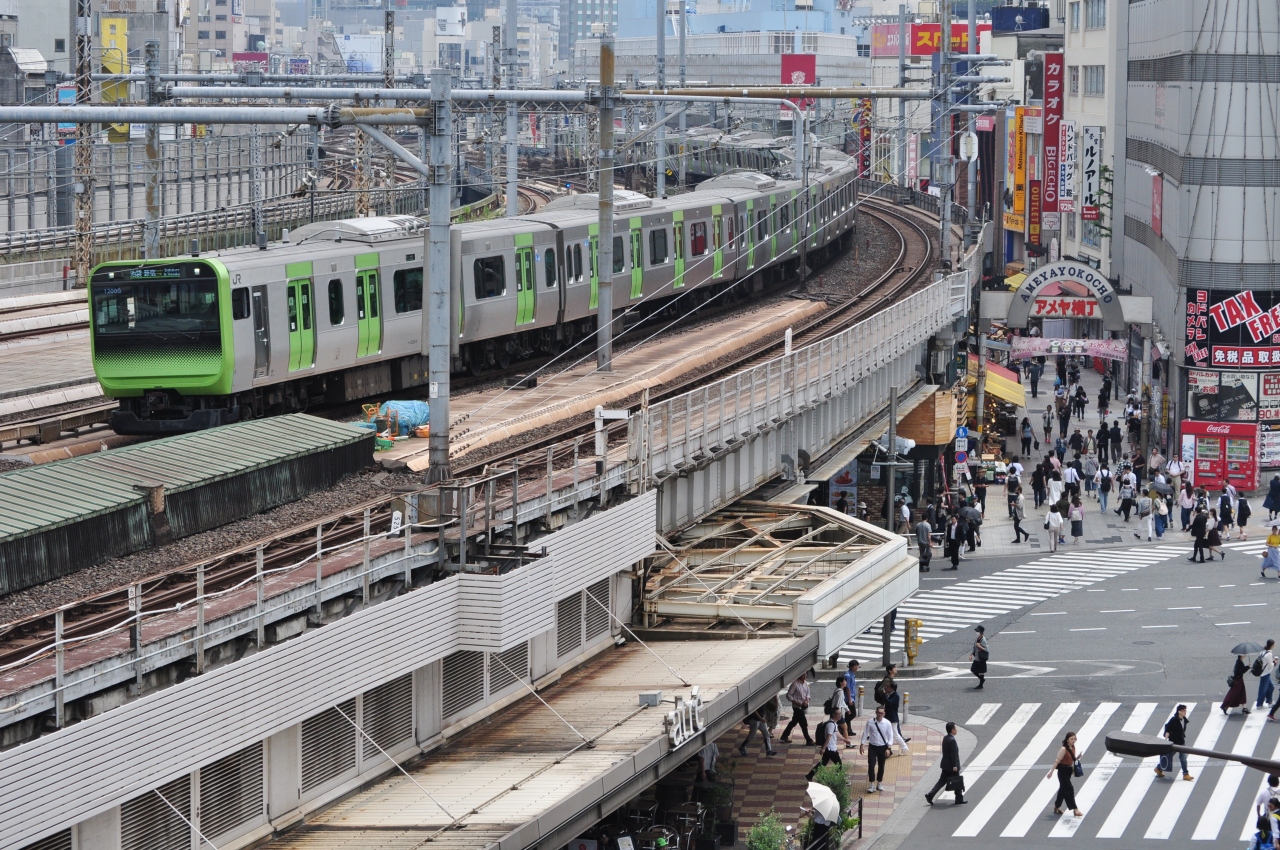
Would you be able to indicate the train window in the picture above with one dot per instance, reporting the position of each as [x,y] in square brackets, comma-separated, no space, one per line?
[619,257]
[577,262]
[657,246]
[407,287]
[551,268]
[491,277]
[762,225]
[337,307]
[698,238]
[784,217]
[716,234]
[240,303]
[373,295]
[306,305]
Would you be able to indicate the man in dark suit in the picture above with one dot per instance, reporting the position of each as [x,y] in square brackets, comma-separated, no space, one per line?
[950,767]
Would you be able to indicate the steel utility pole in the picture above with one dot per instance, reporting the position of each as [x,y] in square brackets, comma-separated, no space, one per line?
[944,136]
[604,251]
[971,168]
[361,169]
[151,224]
[510,58]
[660,109]
[436,317]
[389,81]
[84,145]
[902,104]
[681,22]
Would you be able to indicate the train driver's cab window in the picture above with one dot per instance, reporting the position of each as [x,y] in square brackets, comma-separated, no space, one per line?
[491,277]
[619,255]
[240,303]
[407,288]
[657,246]
[551,268]
[698,238]
[337,307]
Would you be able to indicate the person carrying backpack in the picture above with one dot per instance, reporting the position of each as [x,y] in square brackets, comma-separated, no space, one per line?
[828,737]
[1263,667]
[1103,480]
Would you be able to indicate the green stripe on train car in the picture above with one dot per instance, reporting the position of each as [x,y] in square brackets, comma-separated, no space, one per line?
[717,229]
[637,258]
[678,229]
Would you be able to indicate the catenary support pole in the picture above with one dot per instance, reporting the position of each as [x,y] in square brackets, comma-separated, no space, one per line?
[684,159]
[971,169]
[255,182]
[84,145]
[151,224]
[892,446]
[604,253]
[436,317]
[978,410]
[389,81]
[946,161]
[902,104]
[660,109]
[513,147]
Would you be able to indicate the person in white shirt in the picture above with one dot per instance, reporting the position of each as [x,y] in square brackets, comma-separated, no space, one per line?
[1053,522]
[1266,795]
[1174,470]
[876,741]
[830,736]
[798,695]
[1266,687]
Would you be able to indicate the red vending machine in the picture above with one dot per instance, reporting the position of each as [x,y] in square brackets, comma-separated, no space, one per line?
[1218,452]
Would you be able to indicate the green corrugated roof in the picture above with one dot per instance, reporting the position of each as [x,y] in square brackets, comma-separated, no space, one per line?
[65,491]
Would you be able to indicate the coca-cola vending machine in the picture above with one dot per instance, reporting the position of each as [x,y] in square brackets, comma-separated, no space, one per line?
[1218,452]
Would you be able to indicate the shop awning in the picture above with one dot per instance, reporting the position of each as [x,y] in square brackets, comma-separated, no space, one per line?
[1013,281]
[1001,382]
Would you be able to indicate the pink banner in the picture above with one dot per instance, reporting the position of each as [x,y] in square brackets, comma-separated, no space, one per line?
[1034,346]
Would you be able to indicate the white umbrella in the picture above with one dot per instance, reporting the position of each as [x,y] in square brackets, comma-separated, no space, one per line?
[825,802]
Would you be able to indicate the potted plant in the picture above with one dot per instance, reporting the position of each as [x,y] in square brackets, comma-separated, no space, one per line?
[835,777]
[767,834]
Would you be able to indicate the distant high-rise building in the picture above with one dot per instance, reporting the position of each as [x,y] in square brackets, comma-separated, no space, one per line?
[577,18]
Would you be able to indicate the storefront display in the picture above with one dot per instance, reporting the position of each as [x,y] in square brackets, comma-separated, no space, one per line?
[1218,452]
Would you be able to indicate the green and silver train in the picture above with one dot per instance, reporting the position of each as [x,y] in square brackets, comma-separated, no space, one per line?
[334,312]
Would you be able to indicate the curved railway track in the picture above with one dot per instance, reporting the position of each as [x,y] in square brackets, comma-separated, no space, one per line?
[26,635]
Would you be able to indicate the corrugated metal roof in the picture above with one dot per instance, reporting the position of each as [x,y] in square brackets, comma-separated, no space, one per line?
[515,768]
[28,60]
[65,491]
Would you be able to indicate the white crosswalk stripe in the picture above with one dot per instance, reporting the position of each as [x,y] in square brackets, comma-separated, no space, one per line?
[1119,797]
[965,604]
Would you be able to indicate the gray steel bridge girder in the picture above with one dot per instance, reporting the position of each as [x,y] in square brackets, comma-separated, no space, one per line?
[723,477]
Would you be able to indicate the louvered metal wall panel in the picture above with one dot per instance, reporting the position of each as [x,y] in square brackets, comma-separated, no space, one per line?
[597,615]
[57,841]
[231,792]
[514,666]
[64,777]
[463,682]
[147,823]
[328,745]
[388,716]
[568,624]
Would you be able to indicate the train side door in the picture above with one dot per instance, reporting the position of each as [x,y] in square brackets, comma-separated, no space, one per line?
[261,333]
[717,241]
[302,329]
[593,230]
[526,292]
[637,259]
[751,243]
[679,252]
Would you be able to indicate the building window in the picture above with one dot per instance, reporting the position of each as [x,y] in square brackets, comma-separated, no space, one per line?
[220,35]
[864,51]
[219,17]
[1095,80]
[1090,234]
[1071,225]
[1073,74]
[59,45]
[1095,14]
[1075,17]
[202,35]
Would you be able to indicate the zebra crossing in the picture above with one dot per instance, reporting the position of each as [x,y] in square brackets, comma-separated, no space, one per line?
[1012,796]
[963,605]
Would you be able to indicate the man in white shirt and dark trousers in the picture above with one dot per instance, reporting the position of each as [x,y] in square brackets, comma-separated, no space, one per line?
[876,741]
[798,695]
[829,737]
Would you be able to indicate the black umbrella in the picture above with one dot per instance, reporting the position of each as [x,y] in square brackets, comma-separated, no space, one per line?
[1162,488]
[1246,648]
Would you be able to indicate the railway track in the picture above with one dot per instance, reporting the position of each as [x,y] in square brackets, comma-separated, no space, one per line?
[161,593]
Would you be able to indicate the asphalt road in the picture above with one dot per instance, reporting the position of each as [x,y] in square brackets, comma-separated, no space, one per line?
[1138,631]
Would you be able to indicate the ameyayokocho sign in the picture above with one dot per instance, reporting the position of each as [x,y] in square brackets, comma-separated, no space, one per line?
[1232,329]
[1067,271]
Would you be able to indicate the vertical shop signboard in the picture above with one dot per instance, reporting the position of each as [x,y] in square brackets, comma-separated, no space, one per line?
[1020,163]
[1091,173]
[1034,201]
[1067,168]
[913,158]
[1157,204]
[1052,131]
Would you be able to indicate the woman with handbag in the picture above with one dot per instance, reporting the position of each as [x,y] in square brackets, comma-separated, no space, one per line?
[1236,695]
[1067,766]
[981,652]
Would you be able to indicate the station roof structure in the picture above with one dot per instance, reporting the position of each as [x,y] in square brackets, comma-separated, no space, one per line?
[525,777]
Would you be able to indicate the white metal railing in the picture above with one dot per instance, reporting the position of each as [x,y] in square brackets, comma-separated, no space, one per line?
[681,429]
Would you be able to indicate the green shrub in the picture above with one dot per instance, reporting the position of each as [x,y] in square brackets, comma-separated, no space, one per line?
[767,834]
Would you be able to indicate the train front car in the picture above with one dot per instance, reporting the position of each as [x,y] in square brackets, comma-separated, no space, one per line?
[161,337]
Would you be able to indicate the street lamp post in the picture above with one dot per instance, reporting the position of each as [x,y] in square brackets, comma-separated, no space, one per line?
[1147,746]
